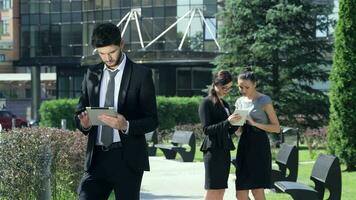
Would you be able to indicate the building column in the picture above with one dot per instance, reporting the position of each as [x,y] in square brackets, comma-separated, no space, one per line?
[36,92]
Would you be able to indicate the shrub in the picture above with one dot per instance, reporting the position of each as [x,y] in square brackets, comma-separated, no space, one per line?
[24,154]
[54,110]
[342,129]
[173,111]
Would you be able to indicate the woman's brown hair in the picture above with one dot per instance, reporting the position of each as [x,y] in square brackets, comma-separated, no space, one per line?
[221,78]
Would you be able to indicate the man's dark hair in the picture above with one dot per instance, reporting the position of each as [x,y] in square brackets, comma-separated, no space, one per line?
[105,35]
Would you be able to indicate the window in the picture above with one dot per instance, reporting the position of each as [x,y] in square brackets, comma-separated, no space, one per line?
[184,78]
[158,2]
[2,57]
[34,19]
[211,23]
[146,2]
[5,4]
[201,78]
[76,6]
[34,7]
[24,8]
[55,6]
[191,81]
[136,3]
[44,7]
[4,26]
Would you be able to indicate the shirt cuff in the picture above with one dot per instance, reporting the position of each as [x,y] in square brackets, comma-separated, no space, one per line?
[127,129]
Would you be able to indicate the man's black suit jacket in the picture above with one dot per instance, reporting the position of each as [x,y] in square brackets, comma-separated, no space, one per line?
[136,102]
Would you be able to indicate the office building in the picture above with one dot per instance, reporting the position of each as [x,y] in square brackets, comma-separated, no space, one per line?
[57,34]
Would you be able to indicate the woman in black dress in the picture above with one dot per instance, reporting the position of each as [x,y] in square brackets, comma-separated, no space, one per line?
[253,159]
[215,117]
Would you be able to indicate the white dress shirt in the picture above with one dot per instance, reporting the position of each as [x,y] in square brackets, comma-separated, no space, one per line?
[103,88]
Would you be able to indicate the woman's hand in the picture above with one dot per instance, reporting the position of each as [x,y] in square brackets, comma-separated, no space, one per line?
[234,118]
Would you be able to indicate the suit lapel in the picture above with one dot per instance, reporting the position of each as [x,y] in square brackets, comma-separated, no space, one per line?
[126,76]
[95,76]
[222,109]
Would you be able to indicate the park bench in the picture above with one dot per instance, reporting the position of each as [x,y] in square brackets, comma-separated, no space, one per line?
[326,175]
[151,139]
[233,161]
[181,141]
[287,161]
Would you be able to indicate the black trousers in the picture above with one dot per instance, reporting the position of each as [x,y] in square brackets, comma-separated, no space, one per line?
[107,173]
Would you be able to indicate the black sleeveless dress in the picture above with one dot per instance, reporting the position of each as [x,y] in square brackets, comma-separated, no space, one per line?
[253,160]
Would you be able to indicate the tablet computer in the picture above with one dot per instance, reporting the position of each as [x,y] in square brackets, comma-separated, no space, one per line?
[94,112]
[243,113]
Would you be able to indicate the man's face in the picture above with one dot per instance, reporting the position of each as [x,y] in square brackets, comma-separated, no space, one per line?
[110,55]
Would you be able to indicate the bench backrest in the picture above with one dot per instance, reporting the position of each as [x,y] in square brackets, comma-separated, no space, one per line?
[183,137]
[287,157]
[151,137]
[285,152]
[326,173]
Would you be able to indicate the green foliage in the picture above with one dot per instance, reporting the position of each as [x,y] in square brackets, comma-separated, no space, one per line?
[172,111]
[24,153]
[193,42]
[277,38]
[53,111]
[342,129]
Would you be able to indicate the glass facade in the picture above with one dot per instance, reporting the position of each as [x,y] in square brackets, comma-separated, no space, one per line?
[5,4]
[63,27]
[52,31]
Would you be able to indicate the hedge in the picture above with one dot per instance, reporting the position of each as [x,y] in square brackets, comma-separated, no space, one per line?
[172,111]
[23,157]
[53,111]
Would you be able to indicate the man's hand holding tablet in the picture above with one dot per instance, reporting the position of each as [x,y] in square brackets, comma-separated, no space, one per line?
[95,112]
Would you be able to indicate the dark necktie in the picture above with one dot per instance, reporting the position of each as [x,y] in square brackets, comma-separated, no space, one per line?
[107,131]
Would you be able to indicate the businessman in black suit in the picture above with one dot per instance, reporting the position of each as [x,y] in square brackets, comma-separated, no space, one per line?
[116,153]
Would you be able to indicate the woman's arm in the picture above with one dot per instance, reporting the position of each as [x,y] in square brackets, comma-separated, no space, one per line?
[206,112]
[274,126]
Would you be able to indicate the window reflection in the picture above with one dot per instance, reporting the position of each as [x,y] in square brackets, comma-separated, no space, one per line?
[154,16]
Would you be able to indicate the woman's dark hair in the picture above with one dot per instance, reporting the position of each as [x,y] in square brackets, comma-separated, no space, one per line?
[105,35]
[247,74]
[220,78]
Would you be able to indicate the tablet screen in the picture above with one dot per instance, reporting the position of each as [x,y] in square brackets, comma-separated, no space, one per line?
[94,112]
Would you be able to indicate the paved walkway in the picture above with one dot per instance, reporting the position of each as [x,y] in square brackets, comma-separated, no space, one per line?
[176,180]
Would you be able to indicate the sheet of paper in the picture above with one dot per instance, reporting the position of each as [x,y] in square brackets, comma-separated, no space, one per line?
[243,113]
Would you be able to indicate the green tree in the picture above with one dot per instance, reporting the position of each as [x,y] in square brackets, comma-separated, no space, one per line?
[278,39]
[342,129]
